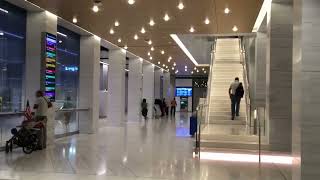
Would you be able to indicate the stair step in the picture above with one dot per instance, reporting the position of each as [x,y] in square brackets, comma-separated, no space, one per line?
[224,113]
[225,117]
[228,122]
[233,145]
[226,137]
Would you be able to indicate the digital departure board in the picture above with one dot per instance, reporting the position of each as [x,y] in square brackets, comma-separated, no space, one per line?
[183,92]
[50,66]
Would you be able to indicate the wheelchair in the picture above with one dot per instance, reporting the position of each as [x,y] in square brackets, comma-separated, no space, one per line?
[27,138]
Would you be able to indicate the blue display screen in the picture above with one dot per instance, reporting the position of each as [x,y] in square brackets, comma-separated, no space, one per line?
[183,91]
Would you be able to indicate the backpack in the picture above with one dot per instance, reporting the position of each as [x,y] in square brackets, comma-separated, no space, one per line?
[239,91]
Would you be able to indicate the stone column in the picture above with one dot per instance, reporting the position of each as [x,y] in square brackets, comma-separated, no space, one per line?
[279,74]
[260,70]
[157,83]
[134,89]
[148,86]
[89,77]
[166,86]
[305,91]
[116,85]
[37,24]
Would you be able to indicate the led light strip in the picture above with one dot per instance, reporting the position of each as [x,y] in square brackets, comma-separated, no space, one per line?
[263,11]
[64,35]
[3,10]
[184,49]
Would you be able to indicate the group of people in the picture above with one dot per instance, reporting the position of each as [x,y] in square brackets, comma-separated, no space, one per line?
[160,108]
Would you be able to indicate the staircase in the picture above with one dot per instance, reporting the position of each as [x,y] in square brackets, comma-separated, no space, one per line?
[226,67]
[220,131]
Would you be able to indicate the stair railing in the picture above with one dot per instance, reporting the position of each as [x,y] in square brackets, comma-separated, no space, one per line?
[245,81]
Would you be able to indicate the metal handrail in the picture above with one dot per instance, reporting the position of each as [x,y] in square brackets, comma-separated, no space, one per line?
[200,109]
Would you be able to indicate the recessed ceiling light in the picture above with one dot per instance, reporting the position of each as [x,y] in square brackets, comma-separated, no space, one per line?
[181,6]
[226,10]
[136,37]
[152,48]
[162,52]
[111,31]
[149,54]
[191,72]
[174,64]
[195,68]
[95,8]
[143,30]
[149,42]
[74,20]
[125,47]
[150,57]
[59,41]
[158,62]
[1,33]
[166,17]
[186,70]
[163,65]
[119,40]
[131,2]
[205,71]
[152,23]
[116,23]
[191,29]
[167,67]
[172,68]
[202,69]
[207,21]
[235,29]
[169,59]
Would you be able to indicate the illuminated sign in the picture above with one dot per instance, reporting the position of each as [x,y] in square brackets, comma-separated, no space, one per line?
[71,68]
[50,66]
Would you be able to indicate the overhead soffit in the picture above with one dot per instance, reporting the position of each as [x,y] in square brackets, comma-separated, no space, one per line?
[133,17]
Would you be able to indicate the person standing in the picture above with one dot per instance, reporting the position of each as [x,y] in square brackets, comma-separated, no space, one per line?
[41,113]
[235,101]
[144,109]
[173,107]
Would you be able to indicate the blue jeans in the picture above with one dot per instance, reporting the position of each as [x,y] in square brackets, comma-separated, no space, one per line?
[235,105]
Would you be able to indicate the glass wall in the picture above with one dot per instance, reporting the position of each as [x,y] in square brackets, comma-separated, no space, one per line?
[67,81]
[12,56]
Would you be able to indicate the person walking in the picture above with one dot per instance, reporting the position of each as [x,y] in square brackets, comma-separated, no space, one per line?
[235,97]
[173,107]
[41,113]
[144,109]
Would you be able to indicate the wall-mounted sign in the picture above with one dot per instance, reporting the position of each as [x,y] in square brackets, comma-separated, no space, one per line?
[71,68]
[50,57]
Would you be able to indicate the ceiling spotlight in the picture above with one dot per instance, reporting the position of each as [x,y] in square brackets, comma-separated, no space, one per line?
[177,71]
[205,72]
[136,37]
[149,42]
[131,2]
[152,48]
[125,47]
[149,54]
[95,8]
[163,65]
[191,72]
[191,29]
[152,23]
[197,71]
[226,10]
[74,20]
[158,62]
[174,64]
[186,67]
[60,41]
[207,21]
[195,68]
[202,69]
[150,58]
[111,31]
[116,23]
[235,29]
[162,52]
[181,6]
[167,67]
[143,30]
[166,17]
[119,40]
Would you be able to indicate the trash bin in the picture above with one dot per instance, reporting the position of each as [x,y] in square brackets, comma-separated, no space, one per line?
[193,125]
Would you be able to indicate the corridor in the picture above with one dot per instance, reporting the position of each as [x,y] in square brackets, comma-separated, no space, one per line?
[160,149]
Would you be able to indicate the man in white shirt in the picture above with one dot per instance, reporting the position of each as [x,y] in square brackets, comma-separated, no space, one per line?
[41,112]
[235,101]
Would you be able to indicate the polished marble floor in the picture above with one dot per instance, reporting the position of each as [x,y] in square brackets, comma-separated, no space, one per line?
[159,149]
